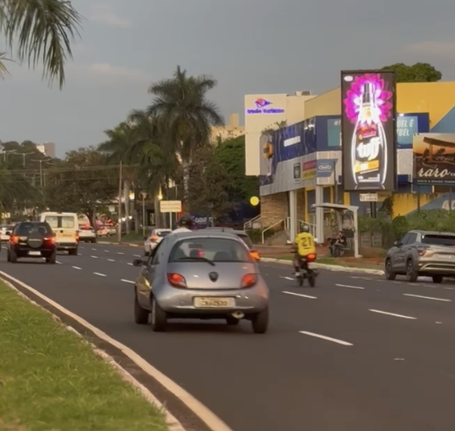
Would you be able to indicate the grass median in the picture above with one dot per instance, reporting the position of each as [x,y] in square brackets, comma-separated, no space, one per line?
[51,380]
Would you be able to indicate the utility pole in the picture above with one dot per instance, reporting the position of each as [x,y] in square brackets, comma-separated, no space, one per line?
[119,224]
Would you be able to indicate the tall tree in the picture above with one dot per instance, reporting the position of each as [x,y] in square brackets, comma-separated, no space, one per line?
[181,102]
[40,32]
[419,72]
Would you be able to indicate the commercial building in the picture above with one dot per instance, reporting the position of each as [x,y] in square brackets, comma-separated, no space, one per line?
[48,149]
[300,164]
[229,131]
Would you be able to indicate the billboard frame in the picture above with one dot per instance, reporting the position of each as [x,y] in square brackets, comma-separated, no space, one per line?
[393,81]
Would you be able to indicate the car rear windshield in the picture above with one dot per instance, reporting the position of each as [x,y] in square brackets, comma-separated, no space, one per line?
[246,239]
[24,229]
[61,222]
[439,239]
[214,249]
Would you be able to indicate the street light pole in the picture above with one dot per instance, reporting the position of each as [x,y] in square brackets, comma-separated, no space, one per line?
[119,223]
[143,196]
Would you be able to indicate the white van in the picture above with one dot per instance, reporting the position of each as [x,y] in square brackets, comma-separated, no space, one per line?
[66,229]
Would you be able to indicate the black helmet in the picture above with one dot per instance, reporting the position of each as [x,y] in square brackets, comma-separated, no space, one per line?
[186,221]
[304,228]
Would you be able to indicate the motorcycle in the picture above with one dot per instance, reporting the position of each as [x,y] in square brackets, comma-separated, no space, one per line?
[306,272]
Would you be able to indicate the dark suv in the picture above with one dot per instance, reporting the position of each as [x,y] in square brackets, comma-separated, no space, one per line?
[32,239]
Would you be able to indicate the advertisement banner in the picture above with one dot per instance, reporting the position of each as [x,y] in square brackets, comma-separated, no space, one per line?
[309,170]
[368,130]
[434,159]
[325,172]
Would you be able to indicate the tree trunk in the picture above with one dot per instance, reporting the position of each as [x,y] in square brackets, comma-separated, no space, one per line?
[126,196]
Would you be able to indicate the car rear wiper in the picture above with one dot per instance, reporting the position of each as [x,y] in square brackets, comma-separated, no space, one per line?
[204,259]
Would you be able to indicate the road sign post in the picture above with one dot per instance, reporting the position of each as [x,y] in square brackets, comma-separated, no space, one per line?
[170,207]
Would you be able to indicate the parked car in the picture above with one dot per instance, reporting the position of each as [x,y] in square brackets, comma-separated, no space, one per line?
[205,275]
[421,253]
[155,237]
[32,240]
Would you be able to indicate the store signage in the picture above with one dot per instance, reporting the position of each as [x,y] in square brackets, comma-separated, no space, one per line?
[263,106]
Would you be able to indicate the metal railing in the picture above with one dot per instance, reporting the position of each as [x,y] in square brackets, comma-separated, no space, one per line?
[284,221]
[250,223]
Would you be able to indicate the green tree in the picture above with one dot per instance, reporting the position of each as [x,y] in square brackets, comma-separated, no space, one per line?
[181,103]
[40,32]
[84,182]
[419,72]
[230,154]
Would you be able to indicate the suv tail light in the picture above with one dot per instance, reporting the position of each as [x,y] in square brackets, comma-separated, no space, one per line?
[421,251]
[310,257]
[50,239]
[249,280]
[14,239]
[176,280]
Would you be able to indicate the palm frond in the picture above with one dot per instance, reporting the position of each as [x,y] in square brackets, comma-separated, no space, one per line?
[42,31]
[3,69]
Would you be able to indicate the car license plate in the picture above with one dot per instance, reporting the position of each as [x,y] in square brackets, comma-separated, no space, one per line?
[200,302]
[34,253]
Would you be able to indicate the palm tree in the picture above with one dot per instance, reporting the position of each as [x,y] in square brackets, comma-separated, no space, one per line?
[40,31]
[181,103]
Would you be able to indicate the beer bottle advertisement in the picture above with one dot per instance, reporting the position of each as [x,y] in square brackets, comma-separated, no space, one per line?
[368,131]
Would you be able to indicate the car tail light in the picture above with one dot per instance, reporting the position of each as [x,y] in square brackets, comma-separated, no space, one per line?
[50,239]
[249,280]
[176,280]
[310,257]
[14,239]
[255,255]
[154,238]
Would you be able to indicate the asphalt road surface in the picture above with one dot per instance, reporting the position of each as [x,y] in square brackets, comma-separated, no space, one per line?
[356,353]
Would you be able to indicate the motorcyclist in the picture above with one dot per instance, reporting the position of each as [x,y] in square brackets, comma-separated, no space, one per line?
[185,224]
[303,246]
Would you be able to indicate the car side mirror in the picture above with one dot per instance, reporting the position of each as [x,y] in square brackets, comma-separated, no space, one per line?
[397,244]
[255,255]
[138,262]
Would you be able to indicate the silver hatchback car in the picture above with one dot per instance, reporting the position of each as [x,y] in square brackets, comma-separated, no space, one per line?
[201,275]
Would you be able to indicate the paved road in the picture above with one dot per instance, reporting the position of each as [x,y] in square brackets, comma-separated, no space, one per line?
[356,353]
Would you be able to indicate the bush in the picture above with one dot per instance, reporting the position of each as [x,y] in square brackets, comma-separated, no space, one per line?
[393,230]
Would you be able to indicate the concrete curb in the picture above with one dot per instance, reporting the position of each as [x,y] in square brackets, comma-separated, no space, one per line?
[327,267]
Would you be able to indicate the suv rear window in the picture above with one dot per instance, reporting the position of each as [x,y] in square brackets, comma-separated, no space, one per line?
[439,239]
[61,222]
[24,229]
[214,249]
[246,239]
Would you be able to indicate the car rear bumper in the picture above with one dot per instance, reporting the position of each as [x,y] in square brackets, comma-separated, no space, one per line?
[182,301]
[25,252]
[66,245]
[437,268]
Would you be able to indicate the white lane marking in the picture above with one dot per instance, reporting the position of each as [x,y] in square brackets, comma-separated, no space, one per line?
[299,294]
[111,260]
[137,255]
[127,281]
[350,287]
[324,337]
[58,262]
[99,273]
[449,288]
[438,323]
[362,278]
[393,314]
[287,278]
[76,267]
[130,264]
[119,252]
[427,297]
[94,249]
[199,409]
[94,257]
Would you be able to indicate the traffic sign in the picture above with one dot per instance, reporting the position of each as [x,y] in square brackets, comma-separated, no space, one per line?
[171,206]
[368,197]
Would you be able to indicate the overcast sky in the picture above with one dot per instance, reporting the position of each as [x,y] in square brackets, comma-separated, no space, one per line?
[249,46]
